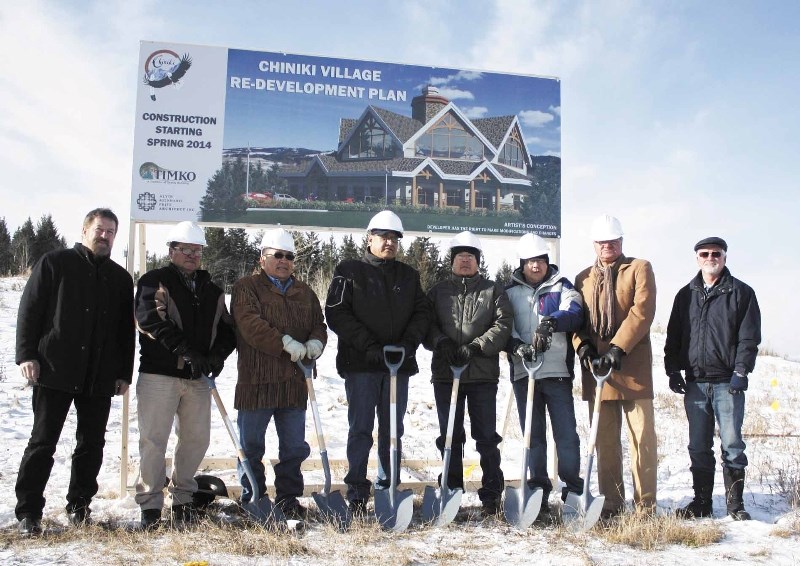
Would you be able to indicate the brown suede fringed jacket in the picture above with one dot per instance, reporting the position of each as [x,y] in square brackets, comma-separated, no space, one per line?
[267,376]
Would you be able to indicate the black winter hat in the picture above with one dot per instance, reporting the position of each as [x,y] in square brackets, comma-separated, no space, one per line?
[711,241]
[459,249]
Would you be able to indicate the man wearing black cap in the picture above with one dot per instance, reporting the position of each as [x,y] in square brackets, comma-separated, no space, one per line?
[713,336]
[472,324]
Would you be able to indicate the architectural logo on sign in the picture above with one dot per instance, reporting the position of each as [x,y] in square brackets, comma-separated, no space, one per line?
[165,67]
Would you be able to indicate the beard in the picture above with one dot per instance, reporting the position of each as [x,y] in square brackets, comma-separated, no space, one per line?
[101,247]
[713,270]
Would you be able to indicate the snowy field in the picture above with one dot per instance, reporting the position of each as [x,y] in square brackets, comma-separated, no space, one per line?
[770,427]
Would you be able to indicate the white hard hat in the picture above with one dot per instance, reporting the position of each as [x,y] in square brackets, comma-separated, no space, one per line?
[606,227]
[531,245]
[278,239]
[466,239]
[187,232]
[386,220]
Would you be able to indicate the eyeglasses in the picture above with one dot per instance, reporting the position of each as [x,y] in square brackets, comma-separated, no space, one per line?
[189,251]
[712,254]
[280,255]
[388,235]
[536,260]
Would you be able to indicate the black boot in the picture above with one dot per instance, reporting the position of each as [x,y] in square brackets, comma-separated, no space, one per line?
[701,504]
[734,487]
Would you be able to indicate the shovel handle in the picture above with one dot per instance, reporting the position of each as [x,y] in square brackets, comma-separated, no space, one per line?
[392,349]
[308,371]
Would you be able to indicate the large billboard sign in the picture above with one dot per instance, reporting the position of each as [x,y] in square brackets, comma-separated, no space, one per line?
[251,137]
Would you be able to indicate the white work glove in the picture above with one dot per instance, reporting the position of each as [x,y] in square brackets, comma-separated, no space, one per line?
[314,349]
[294,348]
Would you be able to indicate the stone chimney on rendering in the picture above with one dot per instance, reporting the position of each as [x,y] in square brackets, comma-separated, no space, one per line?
[426,105]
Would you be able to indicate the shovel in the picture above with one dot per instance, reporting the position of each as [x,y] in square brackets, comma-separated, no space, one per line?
[521,504]
[330,504]
[581,512]
[260,509]
[393,508]
[441,509]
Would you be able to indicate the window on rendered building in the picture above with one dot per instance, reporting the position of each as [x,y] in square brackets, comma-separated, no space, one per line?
[512,154]
[449,139]
[371,141]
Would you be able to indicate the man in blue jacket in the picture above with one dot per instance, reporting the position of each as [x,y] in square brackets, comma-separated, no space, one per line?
[185,335]
[713,336]
[74,346]
[374,302]
[547,309]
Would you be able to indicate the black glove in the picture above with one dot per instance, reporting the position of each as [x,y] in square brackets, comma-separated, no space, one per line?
[216,364]
[676,382]
[198,363]
[738,383]
[544,334]
[465,353]
[410,349]
[586,353]
[374,357]
[614,357]
[525,351]
[447,349]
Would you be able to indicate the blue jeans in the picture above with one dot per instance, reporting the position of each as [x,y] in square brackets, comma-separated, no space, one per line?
[290,425]
[556,395]
[368,396]
[704,402]
[481,401]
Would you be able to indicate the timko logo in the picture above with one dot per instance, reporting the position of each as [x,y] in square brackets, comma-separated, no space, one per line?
[146,201]
[165,67]
[149,171]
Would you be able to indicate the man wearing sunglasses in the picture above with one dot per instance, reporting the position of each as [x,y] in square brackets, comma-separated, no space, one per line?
[374,302]
[185,334]
[713,336]
[278,322]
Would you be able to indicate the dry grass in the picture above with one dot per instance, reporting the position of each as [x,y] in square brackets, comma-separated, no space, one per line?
[789,528]
[654,532]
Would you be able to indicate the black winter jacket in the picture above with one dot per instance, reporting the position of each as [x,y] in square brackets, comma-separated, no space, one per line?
[172,319]
[76,318]
[373,303]
[711,335]
[470,310]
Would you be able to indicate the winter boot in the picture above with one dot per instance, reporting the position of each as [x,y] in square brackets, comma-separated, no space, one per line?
[734,487]
[701,505]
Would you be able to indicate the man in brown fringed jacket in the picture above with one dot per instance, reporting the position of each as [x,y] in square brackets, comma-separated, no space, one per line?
[278,322]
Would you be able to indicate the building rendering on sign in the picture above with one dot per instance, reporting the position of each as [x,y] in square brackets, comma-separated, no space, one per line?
[437,157]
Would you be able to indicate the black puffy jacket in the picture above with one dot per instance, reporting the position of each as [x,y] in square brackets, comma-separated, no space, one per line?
[172,319]
[711,335]
[373,303]
[76,318]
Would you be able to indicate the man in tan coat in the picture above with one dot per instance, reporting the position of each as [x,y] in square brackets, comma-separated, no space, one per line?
[619,293]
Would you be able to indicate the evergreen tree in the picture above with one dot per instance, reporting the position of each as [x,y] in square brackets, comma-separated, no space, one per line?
[423,255]
[46,238]
[223,199]
[503,275]
[22,247]
[308,257]
[329,258]
[349,249]
[229,255]
[6,256]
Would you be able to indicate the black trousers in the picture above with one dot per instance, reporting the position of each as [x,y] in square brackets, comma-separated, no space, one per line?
[50,408]
[481,402]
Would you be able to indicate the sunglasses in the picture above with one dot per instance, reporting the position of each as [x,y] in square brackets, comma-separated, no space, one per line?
[189,251]
[280,255]
[712,254]
[387,235]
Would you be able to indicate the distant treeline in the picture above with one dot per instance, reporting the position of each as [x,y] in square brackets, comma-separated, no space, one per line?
[230,254]
[19,252]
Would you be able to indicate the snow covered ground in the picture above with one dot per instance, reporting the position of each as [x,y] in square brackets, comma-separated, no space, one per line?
[770,424]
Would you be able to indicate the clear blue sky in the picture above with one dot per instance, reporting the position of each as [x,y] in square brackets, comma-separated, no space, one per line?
[681,118]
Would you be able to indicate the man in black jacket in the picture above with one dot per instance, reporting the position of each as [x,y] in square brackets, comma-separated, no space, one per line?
[74,346]
[374,302]
[185,335]
[713,336]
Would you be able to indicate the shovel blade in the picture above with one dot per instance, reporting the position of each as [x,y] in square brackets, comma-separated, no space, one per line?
[441,508]
[521,506]
[395,517]
[580,513]
[333,508]
[263,511]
